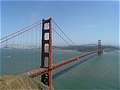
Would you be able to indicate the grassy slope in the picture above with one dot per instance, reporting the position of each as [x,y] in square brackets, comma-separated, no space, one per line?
[20,82]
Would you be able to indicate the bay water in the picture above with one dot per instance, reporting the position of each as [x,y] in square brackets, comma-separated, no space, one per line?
[90,73]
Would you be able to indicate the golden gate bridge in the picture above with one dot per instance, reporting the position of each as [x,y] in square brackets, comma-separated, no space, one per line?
[47,67]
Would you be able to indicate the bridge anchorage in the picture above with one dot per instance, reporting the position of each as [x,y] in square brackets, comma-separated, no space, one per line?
[99,48]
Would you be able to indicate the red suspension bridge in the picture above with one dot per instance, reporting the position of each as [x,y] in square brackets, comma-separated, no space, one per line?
[47,66]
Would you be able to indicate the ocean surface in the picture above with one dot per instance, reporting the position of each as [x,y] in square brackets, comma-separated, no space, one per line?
[90,73]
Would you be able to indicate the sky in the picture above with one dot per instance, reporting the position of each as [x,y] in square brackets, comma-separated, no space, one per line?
[85,22]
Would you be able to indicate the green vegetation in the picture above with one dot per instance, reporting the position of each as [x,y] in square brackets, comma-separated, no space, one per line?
[20,82]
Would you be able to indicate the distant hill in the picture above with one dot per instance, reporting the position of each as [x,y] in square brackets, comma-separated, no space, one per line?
[88,47]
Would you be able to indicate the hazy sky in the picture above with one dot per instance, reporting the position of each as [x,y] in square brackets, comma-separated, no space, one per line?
[83,21]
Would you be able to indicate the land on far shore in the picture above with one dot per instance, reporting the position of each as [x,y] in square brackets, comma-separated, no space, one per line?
[82,48]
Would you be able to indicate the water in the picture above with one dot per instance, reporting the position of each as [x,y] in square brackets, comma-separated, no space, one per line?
[95,73]
[14,61]
[90,73]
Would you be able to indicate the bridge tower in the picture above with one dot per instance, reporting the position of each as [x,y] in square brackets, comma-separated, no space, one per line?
[46,52]
[99,48]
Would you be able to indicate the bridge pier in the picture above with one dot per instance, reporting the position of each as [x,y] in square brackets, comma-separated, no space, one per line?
[46,52]
[99,48]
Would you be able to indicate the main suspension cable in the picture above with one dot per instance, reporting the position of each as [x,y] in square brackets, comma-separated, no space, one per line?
[21,30]
[61,37]
[17,34]
[63,32]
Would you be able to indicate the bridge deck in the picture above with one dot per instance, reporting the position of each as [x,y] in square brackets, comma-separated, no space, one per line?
[40,71]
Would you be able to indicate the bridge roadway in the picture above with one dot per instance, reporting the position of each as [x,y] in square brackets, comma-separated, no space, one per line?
[40,71]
